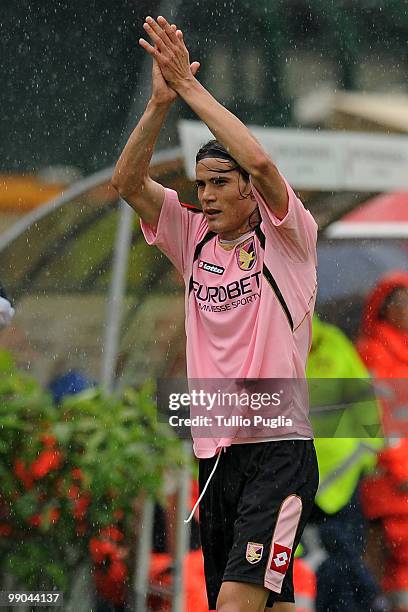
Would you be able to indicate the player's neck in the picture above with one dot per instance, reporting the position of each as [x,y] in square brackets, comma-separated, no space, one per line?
[230,243]
[237,234]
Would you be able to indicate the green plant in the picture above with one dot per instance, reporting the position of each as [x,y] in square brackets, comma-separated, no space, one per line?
[71,477]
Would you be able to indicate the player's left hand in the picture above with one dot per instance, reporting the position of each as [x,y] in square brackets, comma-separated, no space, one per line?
[169,51]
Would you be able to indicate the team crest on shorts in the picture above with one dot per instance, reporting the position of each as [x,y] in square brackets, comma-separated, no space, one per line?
[254,552]
[246,254]
[280,558]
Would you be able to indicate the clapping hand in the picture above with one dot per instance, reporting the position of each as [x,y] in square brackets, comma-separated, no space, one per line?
[170,58]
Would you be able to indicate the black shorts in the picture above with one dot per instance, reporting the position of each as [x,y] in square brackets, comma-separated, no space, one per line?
[254,512]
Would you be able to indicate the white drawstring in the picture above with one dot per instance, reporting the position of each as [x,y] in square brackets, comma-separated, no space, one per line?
[204,490]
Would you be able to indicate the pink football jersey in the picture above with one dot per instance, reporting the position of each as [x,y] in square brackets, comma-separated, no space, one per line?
[249,309]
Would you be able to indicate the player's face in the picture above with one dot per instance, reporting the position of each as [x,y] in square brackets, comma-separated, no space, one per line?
[225,197]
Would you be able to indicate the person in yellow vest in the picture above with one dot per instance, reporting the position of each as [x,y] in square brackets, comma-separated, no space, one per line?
[345,420]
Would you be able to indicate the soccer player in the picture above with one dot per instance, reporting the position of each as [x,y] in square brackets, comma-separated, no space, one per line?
[248,259]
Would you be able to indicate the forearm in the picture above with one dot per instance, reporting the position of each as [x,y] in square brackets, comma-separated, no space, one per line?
[225,126]
[132,168]
[171,56]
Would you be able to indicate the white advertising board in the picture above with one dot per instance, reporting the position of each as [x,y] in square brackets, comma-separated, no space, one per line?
[321,159]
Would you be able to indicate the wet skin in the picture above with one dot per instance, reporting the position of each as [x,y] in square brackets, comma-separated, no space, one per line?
[226,198]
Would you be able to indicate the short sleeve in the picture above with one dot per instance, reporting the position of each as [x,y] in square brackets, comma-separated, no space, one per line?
[176,230]
[297,230]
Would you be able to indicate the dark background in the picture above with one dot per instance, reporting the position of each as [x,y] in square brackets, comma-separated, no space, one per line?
[73,79]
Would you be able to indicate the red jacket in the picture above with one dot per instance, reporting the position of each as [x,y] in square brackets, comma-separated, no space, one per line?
[384,350]
[383,347]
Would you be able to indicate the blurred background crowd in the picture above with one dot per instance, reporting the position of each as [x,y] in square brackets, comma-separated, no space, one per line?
[89,314]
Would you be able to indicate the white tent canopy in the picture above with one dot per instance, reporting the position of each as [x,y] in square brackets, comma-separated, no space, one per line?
[384,111]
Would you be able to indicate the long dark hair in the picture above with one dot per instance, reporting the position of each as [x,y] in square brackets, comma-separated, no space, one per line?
[212,149]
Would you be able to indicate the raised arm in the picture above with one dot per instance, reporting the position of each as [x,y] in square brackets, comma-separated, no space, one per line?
[131,176]
[172,57]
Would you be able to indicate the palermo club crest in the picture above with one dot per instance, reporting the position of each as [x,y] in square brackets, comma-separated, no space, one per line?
[246,254]
[254,552]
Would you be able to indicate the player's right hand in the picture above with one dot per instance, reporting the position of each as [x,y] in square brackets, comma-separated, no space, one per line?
[162,93]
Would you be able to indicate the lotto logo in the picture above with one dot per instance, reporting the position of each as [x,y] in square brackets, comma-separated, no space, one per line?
[280,558]
[209,267]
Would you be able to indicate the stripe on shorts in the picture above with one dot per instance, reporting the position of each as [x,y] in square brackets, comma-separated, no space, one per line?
[282,542]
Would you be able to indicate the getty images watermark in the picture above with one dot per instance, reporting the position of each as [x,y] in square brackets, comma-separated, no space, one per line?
[269,408]
[231,408]
[223,403]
